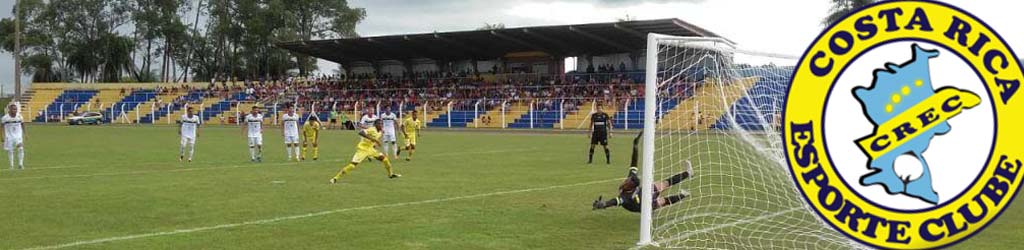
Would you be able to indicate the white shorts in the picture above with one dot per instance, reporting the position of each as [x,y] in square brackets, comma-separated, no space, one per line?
[187,140]
[11,143]
[388,137]
[291,139]
[255,141]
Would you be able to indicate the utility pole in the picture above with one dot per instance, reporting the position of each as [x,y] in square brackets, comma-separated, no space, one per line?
[17,50]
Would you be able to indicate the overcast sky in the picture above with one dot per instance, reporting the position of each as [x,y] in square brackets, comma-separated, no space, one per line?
[785,27]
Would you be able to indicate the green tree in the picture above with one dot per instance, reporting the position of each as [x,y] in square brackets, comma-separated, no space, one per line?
[88,40]
[842,8]
[492,26]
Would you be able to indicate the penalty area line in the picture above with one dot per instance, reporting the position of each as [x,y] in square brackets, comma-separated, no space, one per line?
[308,215]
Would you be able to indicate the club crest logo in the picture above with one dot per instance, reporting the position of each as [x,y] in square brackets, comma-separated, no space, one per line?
[902,125]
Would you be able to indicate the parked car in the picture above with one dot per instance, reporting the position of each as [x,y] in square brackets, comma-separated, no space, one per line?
[93,118]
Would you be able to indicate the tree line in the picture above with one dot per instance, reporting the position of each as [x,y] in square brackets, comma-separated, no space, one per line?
[171,40]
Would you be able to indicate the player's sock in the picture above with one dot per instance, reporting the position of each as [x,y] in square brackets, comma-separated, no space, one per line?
[387,166]
[344,171]
[304,150]
[675,198]
[296,148]
[607,156]
[191,151]
[394,149]
[288,150]
[10,155]
[316,152]
[385,146]
[181,151]
[252,153]
[590,157]
[676,179]
[21,157]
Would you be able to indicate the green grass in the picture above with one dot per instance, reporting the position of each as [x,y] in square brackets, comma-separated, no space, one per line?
[464,190]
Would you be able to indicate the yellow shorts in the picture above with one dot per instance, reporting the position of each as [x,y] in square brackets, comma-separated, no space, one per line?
[309,137]
[410,140]
[362,154]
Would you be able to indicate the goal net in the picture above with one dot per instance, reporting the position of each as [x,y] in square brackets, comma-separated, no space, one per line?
[719,108]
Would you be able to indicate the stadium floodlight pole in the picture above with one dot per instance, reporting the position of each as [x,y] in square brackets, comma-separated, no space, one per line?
[625,109]
[355,111]
[561,114]
[531,114]
[17,50]
[647,173]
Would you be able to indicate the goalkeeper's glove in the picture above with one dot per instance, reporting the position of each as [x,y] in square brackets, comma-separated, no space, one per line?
[599,203]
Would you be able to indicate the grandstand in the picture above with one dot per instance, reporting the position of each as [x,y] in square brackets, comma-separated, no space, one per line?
[450,77]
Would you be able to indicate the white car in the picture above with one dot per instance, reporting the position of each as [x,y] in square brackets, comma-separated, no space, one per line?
[93,118]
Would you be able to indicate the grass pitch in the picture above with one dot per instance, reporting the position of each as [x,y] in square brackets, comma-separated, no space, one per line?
[123,188]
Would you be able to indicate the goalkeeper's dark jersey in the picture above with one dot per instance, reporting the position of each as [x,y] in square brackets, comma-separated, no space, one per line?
[629,193]
[601,122]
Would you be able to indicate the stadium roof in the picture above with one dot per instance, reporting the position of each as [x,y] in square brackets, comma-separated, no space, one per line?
[559,41]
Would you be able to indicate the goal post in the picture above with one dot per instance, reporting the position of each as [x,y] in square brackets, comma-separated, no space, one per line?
[717,107]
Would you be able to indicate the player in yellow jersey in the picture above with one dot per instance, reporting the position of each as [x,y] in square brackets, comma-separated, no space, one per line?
[311,136]
[367,148]
[410,128]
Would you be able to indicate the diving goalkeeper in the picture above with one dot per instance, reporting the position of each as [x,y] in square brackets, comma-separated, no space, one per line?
[630,193]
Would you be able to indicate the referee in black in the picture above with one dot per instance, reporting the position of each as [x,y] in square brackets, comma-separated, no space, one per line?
[600,130]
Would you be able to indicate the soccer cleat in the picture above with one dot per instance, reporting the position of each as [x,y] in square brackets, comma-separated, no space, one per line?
[189,160]
[684,193]
[334,180]
[398,153]
[181,158]
[597,203]
[316,158]
[393,176]
[408,159]
[689,168]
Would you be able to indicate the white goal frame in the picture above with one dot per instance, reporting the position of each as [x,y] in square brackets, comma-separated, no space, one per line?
[650,120]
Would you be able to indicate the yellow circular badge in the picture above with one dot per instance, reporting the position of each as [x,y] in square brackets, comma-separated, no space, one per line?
[901,125]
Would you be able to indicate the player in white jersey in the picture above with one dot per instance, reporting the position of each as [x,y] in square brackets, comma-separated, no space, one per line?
[369,117]
[291,132]
[388,137]
[254,131]
[188,131]
[13,137]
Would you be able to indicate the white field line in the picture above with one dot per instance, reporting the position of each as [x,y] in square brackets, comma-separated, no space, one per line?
[140,172]
[309,215]
[223,167]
